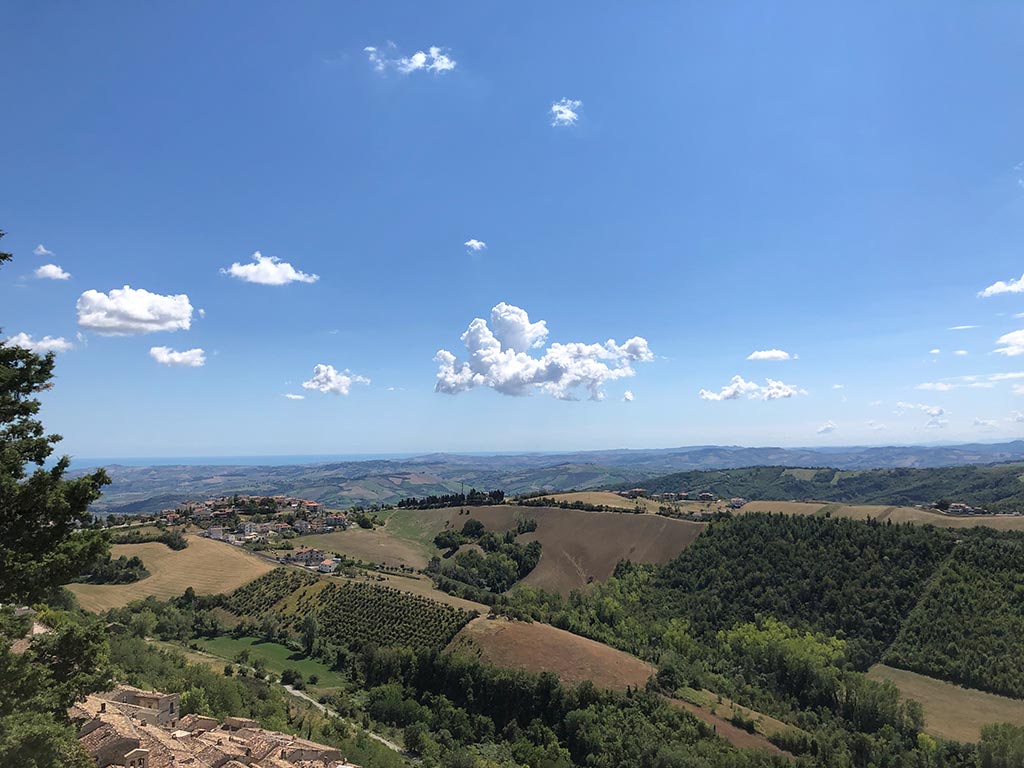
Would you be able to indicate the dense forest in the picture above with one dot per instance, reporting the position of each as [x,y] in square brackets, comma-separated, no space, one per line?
[969,625]
[996,487]
[854,580]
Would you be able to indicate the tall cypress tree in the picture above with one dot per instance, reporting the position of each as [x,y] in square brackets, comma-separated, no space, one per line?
[40,509]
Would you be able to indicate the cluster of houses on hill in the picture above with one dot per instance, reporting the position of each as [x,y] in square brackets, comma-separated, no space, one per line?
[223,507]
[132,728]
[249,532]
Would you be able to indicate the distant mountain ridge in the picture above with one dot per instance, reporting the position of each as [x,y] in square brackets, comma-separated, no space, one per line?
[346,483]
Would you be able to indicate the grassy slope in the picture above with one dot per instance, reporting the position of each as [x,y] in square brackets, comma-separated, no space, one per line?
[277,657]
[950,711]
[577,546]
[207,566]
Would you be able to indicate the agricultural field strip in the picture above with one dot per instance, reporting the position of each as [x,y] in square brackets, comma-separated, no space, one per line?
[950,711]
[207,566]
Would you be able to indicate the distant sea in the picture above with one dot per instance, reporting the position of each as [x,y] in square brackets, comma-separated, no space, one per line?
[85,462]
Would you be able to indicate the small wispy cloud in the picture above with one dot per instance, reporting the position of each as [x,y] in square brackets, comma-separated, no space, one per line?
[876,426]
[627,396]
[434,59]
[985,423]
[189,358]
[961,327]
[565,112]
[960,352]
[934,412]
[291,396]
[935,351]
[42,250]
[838,386]
[827,428]
[475,245]
[771,354]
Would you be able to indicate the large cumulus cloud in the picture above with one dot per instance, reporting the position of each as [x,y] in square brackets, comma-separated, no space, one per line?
[128,310]
[499,357]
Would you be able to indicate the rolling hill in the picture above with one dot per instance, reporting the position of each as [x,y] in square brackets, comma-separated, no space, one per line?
[345,483]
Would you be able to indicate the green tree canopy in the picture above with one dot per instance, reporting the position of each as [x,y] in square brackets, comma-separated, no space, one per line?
[39,508]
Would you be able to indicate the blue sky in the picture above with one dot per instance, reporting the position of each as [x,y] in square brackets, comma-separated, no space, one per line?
[835,182]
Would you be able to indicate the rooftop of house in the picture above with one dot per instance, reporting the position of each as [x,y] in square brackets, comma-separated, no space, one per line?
[112,733]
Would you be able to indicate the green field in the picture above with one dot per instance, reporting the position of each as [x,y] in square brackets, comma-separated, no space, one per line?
[276,656]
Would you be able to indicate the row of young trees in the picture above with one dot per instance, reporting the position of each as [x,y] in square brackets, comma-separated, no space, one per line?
[473,498]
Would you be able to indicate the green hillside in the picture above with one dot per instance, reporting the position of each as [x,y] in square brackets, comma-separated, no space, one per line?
[997,487]
[969,625]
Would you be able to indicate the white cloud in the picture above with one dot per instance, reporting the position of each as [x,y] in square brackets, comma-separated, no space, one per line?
[291,396]
[565,112]
[934,351]
[133,310]
[268,270]
[876,426]
[776,390]
[771,354]
[475,245]
[499,359]
[1016,416]
[42,250]
[827,428]
[1012,286]
[1018,389]
[960,353]
[202,313]
[985,423]
[738,387]
[735,389]
[433,60]
[838,386]
[875,403]
[627,396]
[51,272]
[40,346]
[975,381]
[1012,344]
[190,358]
[934,412]
[327,380]
[961,327]
[378,61]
